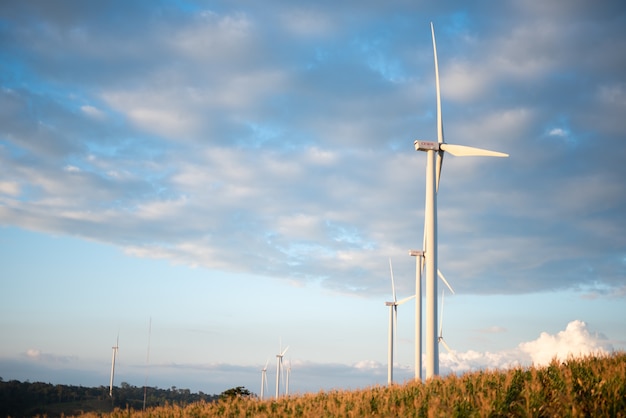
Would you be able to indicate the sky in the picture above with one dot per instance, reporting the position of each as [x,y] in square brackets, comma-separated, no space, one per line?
[212,182]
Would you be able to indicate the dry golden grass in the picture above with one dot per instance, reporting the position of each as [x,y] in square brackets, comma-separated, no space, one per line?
[594,386]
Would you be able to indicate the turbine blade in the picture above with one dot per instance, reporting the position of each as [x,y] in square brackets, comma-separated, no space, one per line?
[441,317]
[440,274]
[282,372]
[439,166]
[283,353]
[440,338]
[440,137]
[442,341]
[395,320]
[393,286]
[465,151]
[401,301]
[439,116]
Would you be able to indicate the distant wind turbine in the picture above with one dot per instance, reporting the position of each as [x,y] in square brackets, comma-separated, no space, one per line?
[434,160]
[115,348]
[145,383]
[264,379]
[393,325]
[279,369]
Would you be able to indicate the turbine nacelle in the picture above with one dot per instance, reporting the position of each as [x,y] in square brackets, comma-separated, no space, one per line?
[426,145]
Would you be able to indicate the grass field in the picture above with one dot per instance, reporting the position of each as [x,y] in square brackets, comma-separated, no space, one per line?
[584,387]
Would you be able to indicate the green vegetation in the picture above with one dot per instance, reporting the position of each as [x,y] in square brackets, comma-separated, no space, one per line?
[25,399]
[590,386]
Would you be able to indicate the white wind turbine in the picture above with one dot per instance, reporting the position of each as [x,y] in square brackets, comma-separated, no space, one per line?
[393,325]
[434,159]
[279,369]
[264,379]
[115,349]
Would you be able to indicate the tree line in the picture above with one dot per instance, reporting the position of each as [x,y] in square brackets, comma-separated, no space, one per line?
[37,398]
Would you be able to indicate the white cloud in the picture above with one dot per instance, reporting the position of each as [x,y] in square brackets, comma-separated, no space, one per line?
[320,156]
[93,112]
[613,95]
[461,362]
[367,365]
[10,188]
[461,82]
[575,341]
[33,353]
[71,169]
[557,132]
[214,36]
[307,23]
[37,355]
[493,330]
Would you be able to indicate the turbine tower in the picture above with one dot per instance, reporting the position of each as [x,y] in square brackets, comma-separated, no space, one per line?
[393,325]
[115,348]
[419,262]
[279,369]
[264,379]
[287,381]
[419,266]
[434,160]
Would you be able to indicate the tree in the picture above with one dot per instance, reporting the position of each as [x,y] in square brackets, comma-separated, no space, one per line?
[239,391]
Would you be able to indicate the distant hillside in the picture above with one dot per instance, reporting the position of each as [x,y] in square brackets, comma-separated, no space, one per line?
[24,399]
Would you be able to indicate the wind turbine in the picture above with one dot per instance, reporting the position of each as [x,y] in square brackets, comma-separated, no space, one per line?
[145,383]
[434,160]
[115,348]
[279,369]
[393,325]
[264,378]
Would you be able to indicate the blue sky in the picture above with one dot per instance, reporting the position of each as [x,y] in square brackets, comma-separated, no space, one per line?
[238,175]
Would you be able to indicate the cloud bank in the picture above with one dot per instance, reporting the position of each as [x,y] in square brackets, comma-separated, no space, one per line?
[278,139]
[574,341]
